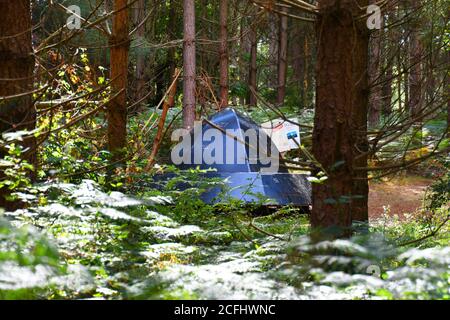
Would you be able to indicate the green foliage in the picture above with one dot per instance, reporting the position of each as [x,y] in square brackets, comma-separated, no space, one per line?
[188,206]
[16,173]
[31,268]
[16,170]
[366,267]
[439,195]
[73,148]
[152,247]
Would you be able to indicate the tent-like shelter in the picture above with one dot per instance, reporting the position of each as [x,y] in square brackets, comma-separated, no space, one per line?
[242,154]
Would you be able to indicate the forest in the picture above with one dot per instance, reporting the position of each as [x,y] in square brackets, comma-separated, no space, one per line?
[224,149]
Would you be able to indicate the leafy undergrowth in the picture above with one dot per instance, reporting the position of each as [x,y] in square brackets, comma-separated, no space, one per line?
[84,243]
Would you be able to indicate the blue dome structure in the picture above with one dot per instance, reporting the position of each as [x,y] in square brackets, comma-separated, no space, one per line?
[246,159]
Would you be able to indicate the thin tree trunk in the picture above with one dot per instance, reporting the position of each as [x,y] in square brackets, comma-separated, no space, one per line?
[448,110]
[399,81]
[16,78]
[171,26]
[223,53]
[139,16]
[415,64]
[274,44]
[447,95]
[282,58]
[117,108]
[387,91]
[340,123]
[234,50]
[308,74]
[389,36]
[245,49]
[189,99]
[406,89]
[298,58]
[301,56]
[252,78]
[375,98]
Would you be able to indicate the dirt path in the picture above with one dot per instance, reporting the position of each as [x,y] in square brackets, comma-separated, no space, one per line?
[403,195]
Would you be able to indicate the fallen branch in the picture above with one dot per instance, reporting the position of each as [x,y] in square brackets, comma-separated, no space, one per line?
[162,120]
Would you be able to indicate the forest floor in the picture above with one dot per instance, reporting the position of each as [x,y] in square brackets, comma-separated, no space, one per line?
[403,195]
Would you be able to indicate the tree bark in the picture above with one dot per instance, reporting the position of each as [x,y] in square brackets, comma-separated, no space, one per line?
[139,16]
[375,98]
[415,98]
[245,50]
[448,110]
[301,57]
[389,36]
[387,91]
[252,78]
[399,82]
[282,58]
[171,29]
[340,124]
[274,45]
[117,108]
[308,77]
[297,57]
[223,53]
[189,52]
[16,78]
[447,95]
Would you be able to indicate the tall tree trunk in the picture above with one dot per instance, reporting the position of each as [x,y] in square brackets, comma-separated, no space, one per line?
[308,74]
[16,78]
[388,76]
[117,108]
[301,55]
[139,16]
[282,58]
[415,64]
[234,51]
[448,109]
[245,48]
[399,81]
[298,58]
[447,94]
[340,124]
[203,34]
[387,90]
[171,26]
[388,62]
[375,98]
[274,44]
[252,77]
[223,53]
[189,100]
